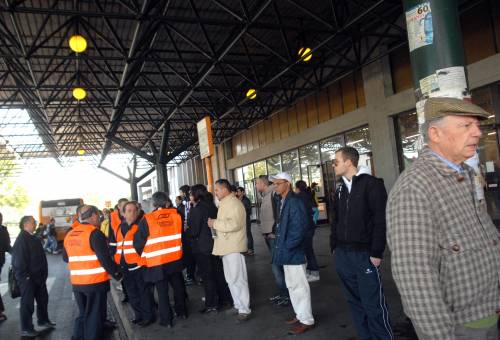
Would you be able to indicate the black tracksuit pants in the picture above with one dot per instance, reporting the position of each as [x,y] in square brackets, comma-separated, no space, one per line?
[89,323]
[362,286]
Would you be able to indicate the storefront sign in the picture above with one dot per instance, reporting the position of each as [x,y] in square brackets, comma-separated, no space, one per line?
[204,128]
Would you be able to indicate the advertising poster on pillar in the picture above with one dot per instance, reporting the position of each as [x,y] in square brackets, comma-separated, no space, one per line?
[419,24]
[204,128]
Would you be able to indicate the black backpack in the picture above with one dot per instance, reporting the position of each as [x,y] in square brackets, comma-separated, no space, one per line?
[14,288]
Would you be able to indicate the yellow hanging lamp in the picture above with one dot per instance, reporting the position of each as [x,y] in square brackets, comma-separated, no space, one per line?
[79,93]
[77,43]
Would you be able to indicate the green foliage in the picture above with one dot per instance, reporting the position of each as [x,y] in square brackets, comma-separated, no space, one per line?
[13,195]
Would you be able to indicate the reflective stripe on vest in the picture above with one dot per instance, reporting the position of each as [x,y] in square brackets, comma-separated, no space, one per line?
[164,244]
[125,246]
[84,266]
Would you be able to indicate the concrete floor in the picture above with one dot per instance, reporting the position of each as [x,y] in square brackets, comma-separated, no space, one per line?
[62,308]
[330,310]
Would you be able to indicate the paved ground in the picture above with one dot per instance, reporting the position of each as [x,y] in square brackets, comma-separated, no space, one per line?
[62,308]
[329,306]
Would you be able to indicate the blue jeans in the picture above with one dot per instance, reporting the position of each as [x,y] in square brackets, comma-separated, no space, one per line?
[51,244]
[278,272]
[362,287]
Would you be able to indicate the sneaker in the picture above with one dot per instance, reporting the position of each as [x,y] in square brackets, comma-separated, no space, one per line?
[47,325]
[208,310]
[30,334]
[313,276]
[242,317]
[283,302]
[275,298]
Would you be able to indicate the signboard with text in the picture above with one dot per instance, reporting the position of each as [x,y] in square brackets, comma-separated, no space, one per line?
[204,128]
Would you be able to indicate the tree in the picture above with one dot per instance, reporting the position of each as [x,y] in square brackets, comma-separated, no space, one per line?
[13,195]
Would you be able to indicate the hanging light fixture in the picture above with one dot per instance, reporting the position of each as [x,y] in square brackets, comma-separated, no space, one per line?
[77,43]
[79,93]
[305,53]
[252,94]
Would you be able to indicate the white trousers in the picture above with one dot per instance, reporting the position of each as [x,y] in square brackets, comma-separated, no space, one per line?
[300,293]
[235,272]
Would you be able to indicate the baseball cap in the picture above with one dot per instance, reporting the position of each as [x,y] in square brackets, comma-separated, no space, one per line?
[439,107]
[283,176]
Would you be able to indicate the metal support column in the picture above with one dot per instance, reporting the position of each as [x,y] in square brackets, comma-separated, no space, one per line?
[162,177]
[134,196]
[437,57]
[436,50]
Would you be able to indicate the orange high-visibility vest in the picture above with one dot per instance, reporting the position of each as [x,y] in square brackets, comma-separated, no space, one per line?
[114,222]
[84,267]
[75,224]
[125,247]
[164,243]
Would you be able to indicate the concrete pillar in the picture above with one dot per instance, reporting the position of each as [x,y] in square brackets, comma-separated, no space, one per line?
[385,157]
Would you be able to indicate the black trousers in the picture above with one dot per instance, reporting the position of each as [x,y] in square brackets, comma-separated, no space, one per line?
[89,323]
[140,294]
[212,273]
[177,282]
[189,260]
[2,307]
[31,291]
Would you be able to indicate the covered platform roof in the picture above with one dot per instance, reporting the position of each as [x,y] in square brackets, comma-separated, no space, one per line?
[153,68]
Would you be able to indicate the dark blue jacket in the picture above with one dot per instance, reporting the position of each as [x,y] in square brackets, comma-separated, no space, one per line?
[291,231]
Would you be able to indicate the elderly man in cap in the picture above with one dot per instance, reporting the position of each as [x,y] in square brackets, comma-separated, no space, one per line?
[445,248]
[291,228]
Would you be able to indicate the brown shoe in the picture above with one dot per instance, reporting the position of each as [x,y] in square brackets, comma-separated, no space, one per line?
[300,328]
[242,317]
[292,321]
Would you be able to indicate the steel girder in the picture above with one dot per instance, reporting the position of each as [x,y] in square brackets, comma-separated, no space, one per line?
[157,64]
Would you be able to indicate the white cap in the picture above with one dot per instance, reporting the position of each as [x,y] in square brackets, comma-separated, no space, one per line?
[281,175]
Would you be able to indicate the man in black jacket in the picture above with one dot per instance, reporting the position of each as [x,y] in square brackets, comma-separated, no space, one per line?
[31,271]
[4,248]
[240,193]
[160,276]
[358,241]
[89,291]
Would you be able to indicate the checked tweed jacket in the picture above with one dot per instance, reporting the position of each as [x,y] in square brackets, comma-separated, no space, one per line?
[445,250]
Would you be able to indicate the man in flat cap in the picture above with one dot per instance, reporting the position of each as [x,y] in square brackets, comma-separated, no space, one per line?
[445,248]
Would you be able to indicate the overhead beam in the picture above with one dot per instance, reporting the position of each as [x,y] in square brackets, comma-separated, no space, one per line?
[113,173]
[132,149]
[144,35]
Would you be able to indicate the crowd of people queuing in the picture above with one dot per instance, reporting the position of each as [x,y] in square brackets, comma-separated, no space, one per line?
[445,249]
